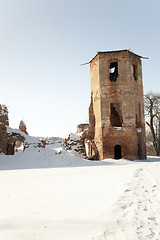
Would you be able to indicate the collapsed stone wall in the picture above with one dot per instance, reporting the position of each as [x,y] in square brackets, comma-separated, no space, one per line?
[75,142]
[7,141]
[82,143]
[12,139]
[3,130]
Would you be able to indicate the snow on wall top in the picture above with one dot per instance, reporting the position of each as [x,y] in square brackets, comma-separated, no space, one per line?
[3,110]
[75,136]
[22,123]
[28,139]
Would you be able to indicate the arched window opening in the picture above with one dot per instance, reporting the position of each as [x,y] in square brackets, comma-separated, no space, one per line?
[135,72]
[115,115]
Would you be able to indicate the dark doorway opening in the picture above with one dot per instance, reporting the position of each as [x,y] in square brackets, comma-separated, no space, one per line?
[10,149]
[117,152]
[139,151]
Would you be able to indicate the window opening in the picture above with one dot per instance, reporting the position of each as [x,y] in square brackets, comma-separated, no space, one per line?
[115,115]
[135,72]
[117,152]
[113,71]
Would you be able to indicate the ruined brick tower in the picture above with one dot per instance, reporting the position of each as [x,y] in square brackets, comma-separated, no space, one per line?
[116,113]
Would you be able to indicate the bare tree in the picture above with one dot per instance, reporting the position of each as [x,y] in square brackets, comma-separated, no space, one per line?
[152,110]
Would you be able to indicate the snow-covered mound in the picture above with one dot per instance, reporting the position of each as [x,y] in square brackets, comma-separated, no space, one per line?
[28,140]
[53,156]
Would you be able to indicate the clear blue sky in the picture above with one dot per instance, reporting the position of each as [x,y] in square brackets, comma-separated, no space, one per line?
[43,43]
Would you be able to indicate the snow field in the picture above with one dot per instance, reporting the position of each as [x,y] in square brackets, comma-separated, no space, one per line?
[53,194]
[136,214]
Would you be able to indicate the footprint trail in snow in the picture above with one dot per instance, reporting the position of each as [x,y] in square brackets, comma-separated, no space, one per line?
[136,215]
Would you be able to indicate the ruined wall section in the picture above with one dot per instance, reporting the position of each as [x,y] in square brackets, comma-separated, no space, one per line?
[7,140]
[95,119]
[4,115]
[3,130]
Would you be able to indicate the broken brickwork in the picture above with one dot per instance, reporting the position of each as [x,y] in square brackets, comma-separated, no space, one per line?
[22,127]
[7,141]
[3,130]
[81,127]
[116,112]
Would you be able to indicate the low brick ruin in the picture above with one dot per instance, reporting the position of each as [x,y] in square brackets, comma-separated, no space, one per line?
[7,140]
[3,130]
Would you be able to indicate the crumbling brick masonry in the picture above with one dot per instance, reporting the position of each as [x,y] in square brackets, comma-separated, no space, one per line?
[116,113]
[7,141]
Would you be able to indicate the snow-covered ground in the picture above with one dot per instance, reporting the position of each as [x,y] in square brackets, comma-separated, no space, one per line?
[53,194]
